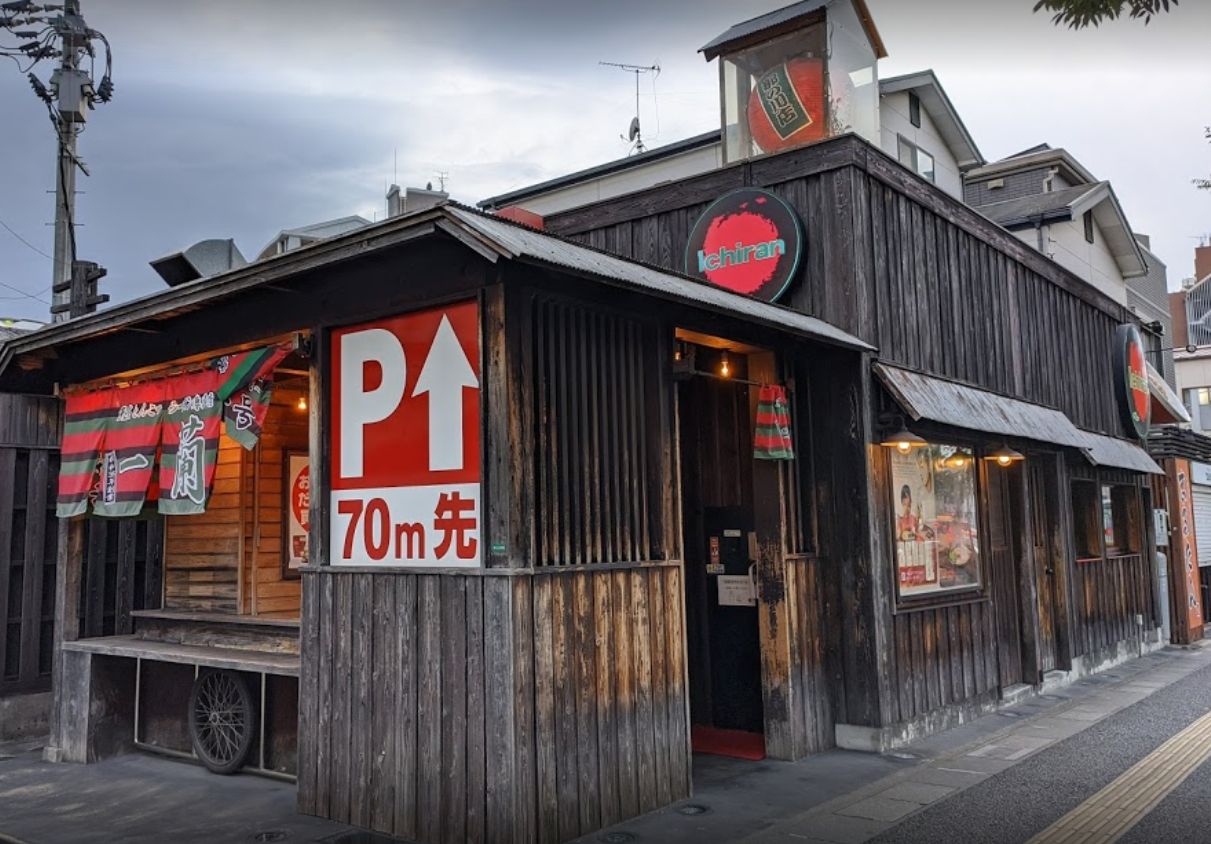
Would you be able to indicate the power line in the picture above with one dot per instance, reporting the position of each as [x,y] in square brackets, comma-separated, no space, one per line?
[23,293]
[9,229]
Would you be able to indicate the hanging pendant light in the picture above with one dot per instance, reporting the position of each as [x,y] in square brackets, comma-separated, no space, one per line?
[1005,456]
[301,404]
[725,368]
[903,441]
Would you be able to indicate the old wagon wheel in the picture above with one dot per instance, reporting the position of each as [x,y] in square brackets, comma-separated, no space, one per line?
[221,722]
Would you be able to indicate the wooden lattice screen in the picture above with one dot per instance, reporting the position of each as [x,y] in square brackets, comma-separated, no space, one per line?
[597,414]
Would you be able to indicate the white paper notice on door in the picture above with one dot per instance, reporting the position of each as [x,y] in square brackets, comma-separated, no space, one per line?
[736,590]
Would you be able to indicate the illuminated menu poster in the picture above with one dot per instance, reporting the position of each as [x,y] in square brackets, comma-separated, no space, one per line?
[935,523]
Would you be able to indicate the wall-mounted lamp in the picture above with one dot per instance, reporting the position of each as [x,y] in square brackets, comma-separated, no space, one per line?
[301,404]
[903,441]
[725,369]
[1004,456]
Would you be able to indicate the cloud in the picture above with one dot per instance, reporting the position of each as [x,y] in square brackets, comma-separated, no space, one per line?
[238,119]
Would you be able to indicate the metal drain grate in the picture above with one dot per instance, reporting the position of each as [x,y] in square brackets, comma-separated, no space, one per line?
[617,838]
[693,809]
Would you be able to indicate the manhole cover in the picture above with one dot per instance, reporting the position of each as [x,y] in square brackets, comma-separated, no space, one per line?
[617,838]
[270,835]
[692,809]
[902,754]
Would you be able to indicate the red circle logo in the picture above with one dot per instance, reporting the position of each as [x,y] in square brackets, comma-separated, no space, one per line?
[747,241]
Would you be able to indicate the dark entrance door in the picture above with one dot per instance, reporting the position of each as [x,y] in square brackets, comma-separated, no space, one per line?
[1041,522]
[1005,547]
[717,498]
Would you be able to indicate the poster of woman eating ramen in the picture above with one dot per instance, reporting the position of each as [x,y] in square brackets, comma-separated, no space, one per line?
[936,532]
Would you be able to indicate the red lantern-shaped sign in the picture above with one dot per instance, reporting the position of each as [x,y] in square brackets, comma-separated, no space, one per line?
[1131,370]
[788,105]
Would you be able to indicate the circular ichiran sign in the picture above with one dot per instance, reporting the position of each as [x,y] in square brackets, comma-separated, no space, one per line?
[1131,374]
[747,241]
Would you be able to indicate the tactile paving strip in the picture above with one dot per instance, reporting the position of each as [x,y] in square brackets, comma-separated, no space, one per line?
[1107,815]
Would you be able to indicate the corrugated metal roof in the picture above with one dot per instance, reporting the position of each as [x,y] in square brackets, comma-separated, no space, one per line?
[518,241]
[950,403]
[961,406]
[1119,454]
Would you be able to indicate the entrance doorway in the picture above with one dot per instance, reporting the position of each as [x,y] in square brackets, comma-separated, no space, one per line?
[715,409]
[1046,559]
[1006,551]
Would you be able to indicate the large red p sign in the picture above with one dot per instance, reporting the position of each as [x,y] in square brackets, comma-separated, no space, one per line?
[361,404]
[405,426]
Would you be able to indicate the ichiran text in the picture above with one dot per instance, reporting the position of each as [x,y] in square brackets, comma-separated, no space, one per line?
[724,257]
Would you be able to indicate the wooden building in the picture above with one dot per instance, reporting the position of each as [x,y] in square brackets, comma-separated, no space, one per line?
[574,513]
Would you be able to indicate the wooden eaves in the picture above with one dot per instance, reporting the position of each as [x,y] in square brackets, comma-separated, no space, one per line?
[490,237]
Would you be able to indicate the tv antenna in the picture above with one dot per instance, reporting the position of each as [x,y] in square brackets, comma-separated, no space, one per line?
[634,135]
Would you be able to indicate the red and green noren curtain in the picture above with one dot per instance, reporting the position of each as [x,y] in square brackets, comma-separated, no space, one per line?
[772,435]
[112,437]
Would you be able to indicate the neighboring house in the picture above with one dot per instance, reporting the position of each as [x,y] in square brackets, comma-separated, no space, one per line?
[1049,200]
[1197,299]
[1148,298]
[1191,311]
[918,126]
[289,239]
[11,327]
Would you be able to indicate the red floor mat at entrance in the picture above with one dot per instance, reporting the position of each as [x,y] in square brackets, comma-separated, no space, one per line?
[734,743]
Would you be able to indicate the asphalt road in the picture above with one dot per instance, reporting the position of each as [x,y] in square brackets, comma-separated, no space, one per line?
[1027,798]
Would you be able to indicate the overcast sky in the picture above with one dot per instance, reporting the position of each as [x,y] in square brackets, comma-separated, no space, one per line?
[238,119]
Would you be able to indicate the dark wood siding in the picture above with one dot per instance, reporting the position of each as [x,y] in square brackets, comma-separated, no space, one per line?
[930,282]
[534,707]
[599,430]
[30,428]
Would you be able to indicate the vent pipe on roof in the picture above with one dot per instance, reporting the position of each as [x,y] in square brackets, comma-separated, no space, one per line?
[202,260]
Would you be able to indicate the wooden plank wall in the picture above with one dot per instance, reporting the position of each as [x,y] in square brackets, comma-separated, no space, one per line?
[532,707]
[930,282]
[30,429]
[285,428]
[203,551]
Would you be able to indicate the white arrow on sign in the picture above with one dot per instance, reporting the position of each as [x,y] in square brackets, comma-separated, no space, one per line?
[445,373]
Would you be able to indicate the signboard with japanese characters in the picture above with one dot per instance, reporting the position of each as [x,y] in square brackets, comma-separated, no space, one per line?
[405,440]
[298,507]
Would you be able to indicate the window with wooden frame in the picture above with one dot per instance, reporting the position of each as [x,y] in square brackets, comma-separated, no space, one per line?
[599,436]
[1122,521]
[1086,520]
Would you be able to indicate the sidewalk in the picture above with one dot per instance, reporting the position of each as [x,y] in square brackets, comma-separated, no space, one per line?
[845,797]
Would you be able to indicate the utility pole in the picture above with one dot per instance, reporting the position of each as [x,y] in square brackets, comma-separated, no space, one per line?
[69,97]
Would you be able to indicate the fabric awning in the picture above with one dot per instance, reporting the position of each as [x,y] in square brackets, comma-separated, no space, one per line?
[1167,405]
[951,403]
[1118,454]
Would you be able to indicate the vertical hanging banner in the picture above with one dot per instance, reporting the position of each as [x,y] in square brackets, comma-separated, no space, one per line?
[190,443]
[405,440]
[772,433]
